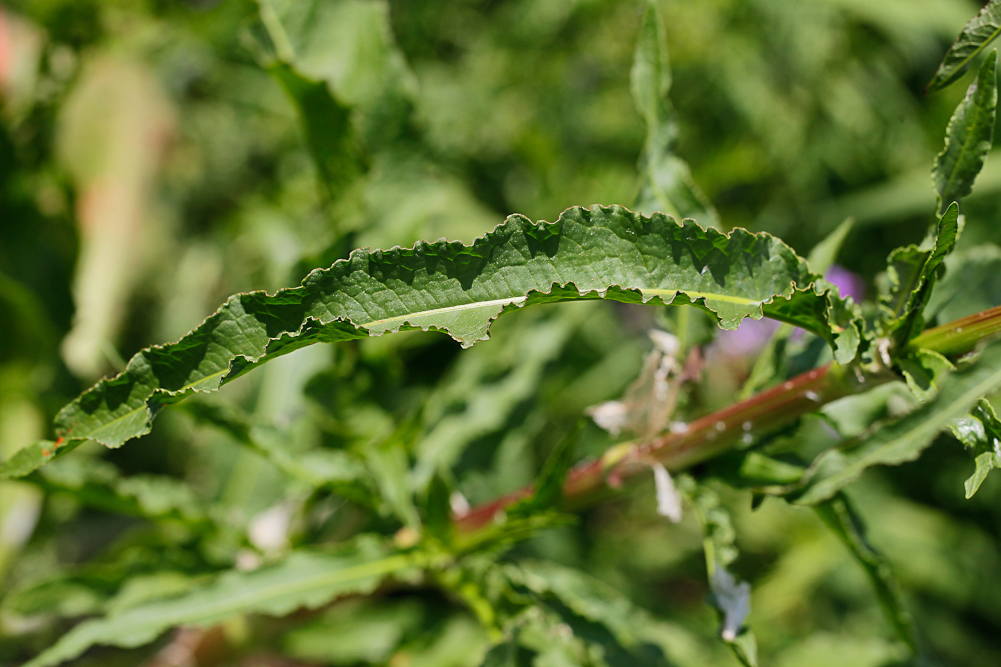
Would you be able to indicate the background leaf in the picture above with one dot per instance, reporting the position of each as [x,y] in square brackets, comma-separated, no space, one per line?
[303,580]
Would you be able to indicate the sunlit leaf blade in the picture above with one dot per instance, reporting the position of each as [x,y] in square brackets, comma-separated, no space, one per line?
[905,439]
[304,580]
[839,514]
[976,35]
[968,138]
[597,252]
[34,456]
[666,181]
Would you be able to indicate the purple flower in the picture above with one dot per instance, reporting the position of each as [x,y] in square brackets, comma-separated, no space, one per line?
[748,339]
[848,283]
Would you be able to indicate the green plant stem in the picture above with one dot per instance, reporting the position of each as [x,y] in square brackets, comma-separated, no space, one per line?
[741,422]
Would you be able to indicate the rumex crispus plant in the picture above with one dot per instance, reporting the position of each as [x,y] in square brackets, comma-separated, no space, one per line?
[369,538]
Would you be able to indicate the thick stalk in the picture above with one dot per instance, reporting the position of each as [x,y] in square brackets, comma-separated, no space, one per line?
[741,422]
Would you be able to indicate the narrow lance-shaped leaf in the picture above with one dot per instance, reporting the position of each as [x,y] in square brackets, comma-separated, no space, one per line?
[548,491]
[913,272]
[905,439]
[839,514]
[968,137]
[598,252]
[304,580]
[976,35]
[666,181]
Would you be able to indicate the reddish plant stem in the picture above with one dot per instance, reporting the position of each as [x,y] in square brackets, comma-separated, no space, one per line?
[720,431]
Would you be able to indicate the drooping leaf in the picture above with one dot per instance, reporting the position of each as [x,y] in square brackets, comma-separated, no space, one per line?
[388,463]
[974,38]
[600,252]
[980,431]
[841,517]
[905,439]
[968,137]
[303,580]
[912,274]
[348,45]
[666,181]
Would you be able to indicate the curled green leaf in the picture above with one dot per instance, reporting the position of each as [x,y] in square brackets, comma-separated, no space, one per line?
[588,253]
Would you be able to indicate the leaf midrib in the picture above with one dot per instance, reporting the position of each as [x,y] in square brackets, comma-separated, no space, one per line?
[100,431]
[966,61]
[965,145]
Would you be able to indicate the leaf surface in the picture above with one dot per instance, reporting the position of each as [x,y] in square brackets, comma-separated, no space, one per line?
[304,580]
[589,253]
[974,38]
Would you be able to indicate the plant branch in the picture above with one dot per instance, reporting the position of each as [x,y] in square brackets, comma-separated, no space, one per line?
[743,421]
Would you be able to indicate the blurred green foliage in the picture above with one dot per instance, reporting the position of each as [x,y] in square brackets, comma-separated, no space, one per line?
[157,156]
